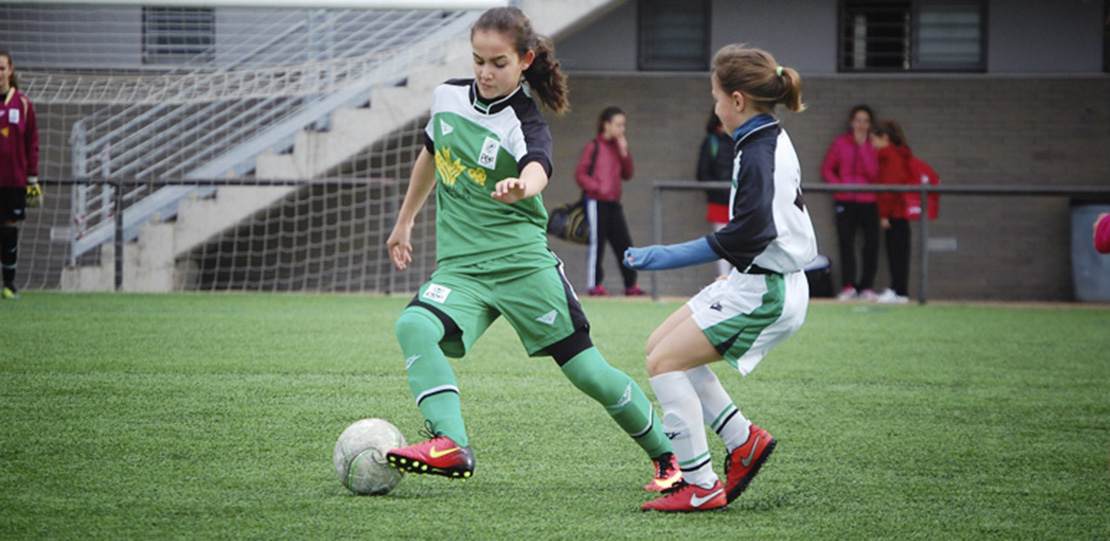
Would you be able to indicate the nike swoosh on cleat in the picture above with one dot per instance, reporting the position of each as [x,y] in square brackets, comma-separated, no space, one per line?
[745,462]
[695,501]
[437,454]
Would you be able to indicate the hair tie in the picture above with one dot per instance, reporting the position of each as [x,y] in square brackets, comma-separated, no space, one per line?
[778,71]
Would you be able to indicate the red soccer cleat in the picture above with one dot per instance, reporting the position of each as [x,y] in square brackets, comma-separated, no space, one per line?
[667,474]
[598,291]
[688,498]
[744,461]
[437,456]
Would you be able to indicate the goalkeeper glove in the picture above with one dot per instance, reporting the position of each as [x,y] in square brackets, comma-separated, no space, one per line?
[34,193]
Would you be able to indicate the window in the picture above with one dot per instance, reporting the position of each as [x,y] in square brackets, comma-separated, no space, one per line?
[673,35]
[912,35]
[178,35]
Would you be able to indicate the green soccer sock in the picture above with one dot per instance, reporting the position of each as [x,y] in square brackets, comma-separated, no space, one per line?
[431,379]
[623,399]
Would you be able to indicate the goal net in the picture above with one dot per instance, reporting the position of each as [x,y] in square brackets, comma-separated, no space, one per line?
[155,110]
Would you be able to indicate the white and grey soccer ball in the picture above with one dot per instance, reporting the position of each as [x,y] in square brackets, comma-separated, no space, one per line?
[360,456]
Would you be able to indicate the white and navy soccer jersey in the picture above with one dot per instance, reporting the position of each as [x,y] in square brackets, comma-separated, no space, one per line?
[477,143]
[770,228]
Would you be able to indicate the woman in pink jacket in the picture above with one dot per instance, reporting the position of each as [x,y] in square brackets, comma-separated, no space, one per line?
[852,160]
[1102,233]
[604,165]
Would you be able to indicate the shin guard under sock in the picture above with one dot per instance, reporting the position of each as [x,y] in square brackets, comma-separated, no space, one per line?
[623,399]
[431,379]
[682,420]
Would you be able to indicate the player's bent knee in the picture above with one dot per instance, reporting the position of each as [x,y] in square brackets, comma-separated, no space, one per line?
[418,324]
[657,364]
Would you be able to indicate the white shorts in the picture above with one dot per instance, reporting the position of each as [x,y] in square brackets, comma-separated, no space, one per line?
[747,315]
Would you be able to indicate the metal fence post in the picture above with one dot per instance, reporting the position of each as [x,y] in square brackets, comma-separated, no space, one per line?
[923,285]
[119,234]
[656,232]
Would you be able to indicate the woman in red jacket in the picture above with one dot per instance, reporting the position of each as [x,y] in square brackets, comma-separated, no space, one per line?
[894,168]
[604,165]
[19,168]
[852,160]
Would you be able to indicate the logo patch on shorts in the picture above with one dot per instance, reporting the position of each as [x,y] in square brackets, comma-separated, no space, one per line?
[437,293]
[548,318]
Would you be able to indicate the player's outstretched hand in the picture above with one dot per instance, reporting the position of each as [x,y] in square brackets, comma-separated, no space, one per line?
[34,193]
[638,258]
[509,190]
[400,246]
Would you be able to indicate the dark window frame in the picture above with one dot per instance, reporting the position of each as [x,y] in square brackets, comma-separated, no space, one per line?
[170,37]
[646,39]
[906,56]
[1106,37]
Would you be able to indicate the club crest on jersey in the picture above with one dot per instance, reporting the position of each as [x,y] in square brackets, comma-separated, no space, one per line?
[488,157]
[445,128]
[13,116]
[436,293]
[448,169]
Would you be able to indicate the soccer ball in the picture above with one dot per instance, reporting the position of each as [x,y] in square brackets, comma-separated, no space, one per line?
[360,456]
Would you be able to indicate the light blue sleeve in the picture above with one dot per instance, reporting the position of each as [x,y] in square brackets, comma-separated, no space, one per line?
[672,256]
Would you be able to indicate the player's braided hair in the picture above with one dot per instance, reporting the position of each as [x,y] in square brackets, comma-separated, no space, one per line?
[754,73]
[544,74]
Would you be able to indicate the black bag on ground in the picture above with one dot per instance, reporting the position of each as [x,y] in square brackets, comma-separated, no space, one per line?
[568,222]
[819,277]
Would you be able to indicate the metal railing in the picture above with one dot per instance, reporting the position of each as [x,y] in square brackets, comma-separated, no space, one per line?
[660,186]
[236,112]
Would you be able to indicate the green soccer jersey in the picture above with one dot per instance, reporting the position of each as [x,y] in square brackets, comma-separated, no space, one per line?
[477,144]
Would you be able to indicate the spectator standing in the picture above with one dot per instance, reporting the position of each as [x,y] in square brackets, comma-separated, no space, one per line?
[715,164]
[894,169]
[851,160]
[605,164]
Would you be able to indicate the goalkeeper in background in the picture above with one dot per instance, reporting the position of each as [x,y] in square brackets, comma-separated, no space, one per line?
[19,168]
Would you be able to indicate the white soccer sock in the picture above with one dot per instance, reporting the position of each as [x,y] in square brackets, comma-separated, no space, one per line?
[720,413]
[682,422]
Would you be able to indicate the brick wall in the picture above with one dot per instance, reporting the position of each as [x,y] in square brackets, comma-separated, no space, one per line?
[973,130]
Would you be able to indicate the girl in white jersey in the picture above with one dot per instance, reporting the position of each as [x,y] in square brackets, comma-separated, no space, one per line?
[487,156]
[763,300]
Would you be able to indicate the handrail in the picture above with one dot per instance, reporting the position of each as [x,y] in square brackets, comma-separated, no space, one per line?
[1086,192]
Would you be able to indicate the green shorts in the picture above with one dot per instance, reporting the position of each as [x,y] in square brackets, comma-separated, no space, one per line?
[531,292]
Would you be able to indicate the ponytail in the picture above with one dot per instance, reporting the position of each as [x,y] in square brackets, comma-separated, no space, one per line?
[792,90]
[546,78]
